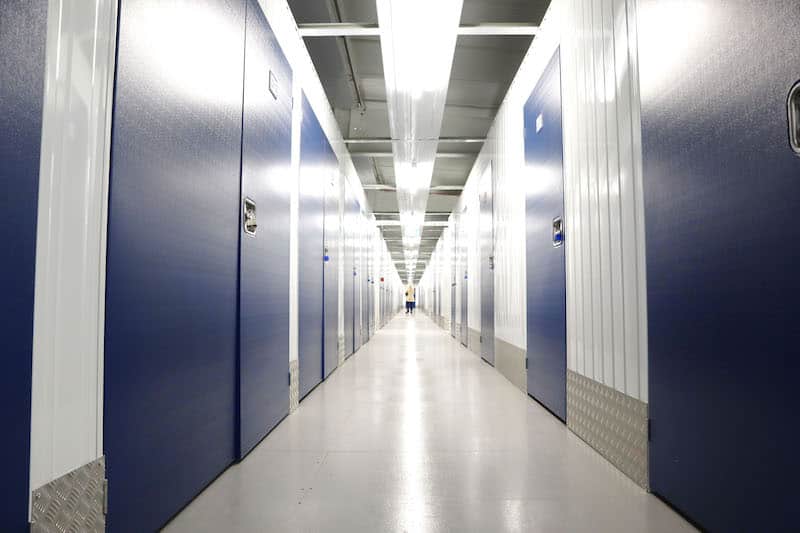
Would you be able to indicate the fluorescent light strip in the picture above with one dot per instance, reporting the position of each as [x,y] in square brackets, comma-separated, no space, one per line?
[418,39]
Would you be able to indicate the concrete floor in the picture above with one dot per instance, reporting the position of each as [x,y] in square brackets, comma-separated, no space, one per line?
[415,433]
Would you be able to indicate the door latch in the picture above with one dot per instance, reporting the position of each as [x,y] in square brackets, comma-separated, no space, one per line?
[558,231]
[249,216]
[793,106]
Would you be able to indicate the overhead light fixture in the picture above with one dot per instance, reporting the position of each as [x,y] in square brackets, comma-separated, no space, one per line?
[418,39]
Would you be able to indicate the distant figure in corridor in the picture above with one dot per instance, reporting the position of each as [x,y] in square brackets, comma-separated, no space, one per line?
[410,299]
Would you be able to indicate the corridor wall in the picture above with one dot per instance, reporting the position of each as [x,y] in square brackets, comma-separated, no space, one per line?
[140,329]
[604,245]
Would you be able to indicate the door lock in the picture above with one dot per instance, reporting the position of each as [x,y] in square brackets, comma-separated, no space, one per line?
[249,216]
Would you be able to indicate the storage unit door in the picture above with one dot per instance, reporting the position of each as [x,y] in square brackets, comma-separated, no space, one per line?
[722,197]
[23,32]
[546,273]
[358,281]
[264,270]
[331,265]
[173,246]
[464,309]
[310,228]
[485,198]
[349,271]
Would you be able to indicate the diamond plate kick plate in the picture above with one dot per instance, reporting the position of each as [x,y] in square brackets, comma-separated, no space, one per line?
[75,502]
[613,423]
[294,384]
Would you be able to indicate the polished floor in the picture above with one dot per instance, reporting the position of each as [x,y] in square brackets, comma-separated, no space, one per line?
[416,433]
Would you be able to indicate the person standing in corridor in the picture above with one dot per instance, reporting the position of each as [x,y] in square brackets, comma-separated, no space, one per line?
[410,299]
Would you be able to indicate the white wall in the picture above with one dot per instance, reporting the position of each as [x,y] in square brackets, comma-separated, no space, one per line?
[67,387]
[606,306]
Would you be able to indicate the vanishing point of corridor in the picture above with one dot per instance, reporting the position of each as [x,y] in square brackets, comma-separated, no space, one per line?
[416,433]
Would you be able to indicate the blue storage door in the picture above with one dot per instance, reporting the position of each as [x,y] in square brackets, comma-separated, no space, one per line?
[486,228]
[331,266]
[349,271]
[545,270]
[264,269]
[23,31]
[172,263]
[310,228]
[722,197]
[359,279]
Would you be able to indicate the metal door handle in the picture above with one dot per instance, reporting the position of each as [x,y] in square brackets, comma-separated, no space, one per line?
[793,106]
[249,216]
[558,231]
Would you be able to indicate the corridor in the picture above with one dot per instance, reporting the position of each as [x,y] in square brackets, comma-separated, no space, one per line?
[416,433]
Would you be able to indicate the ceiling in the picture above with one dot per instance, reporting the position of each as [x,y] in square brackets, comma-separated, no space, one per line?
[351,72]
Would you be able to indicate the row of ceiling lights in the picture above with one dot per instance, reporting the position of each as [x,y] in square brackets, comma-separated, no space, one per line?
[418,39]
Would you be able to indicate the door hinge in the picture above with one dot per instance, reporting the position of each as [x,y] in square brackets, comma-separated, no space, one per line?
[289,378]
[649,430]
[480,338]
[526,363]
[105,496]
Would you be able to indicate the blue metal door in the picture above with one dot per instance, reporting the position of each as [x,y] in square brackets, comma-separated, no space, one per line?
[486,219]
[170,403]
[264,262]
[349,271]
[23,31]
[452,277]
[310,245]
[545,271]
[722,197]
[331,265]
[464,274]
[358,281]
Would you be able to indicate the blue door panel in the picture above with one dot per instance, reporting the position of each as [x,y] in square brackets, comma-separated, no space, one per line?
[349,272]
[264,268]
[546,273]
[171,285]
[331,266]
[331,281]
[23,31]
[311,213]
[722,194]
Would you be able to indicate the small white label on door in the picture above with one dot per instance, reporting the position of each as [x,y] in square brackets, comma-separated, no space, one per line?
[539,123]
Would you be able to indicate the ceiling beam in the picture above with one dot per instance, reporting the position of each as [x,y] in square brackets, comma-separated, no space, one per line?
[440,155]
[339,29]
[499,28]
[373,140]
[354,29]
[427,213]
[397,223]
[381,187]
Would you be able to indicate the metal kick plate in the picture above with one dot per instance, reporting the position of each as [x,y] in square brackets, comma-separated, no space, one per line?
[613,423]
[75,502]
